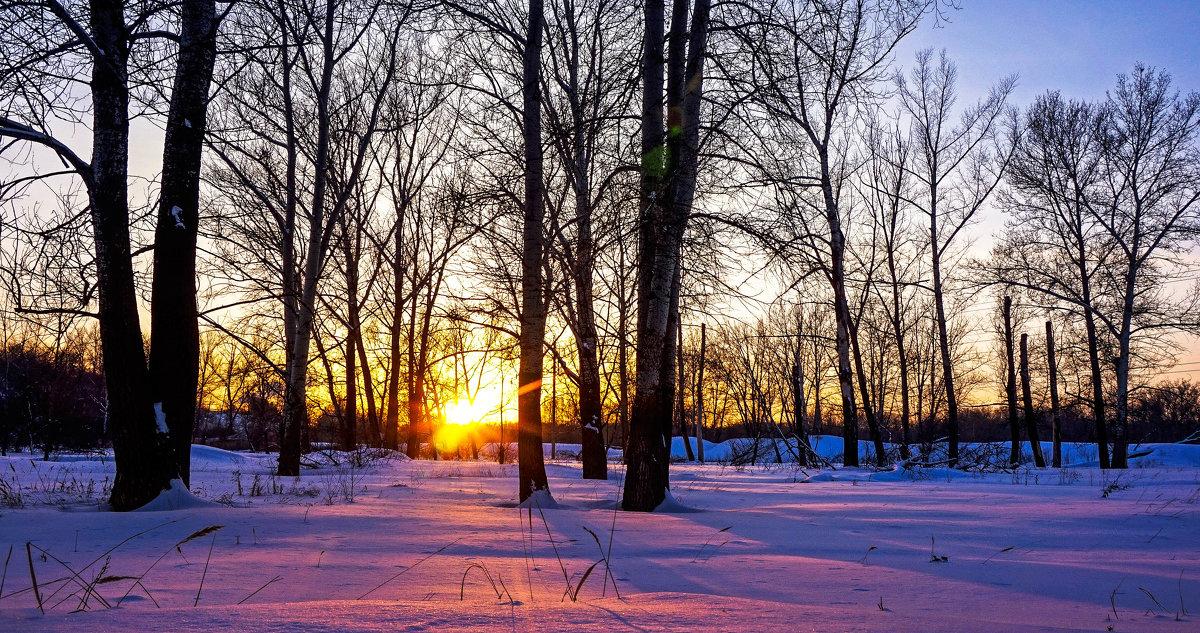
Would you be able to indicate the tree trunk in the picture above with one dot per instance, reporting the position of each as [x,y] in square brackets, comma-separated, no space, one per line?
[1093,342]
[837,248]
[668,188]
[553,413]
[643,489]
[1120,453]
[872,420]
[174,334]
[350,416]
[295,399]
[1056,418]
[1010,386]
[901,356]
[368,387]
[531,466]
[679,396]
[798,407]
[592,451]
[623,359]
[391,430]
[699,397]
[1031,421]
[944,343]
[414,394]
[145,462]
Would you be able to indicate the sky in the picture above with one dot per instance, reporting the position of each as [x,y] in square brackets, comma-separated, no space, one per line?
[1076,46]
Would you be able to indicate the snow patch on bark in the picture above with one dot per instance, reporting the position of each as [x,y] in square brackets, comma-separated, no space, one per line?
[161,419]
[176,497]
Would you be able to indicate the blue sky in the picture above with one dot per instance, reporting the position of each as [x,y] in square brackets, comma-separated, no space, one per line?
[1076,46]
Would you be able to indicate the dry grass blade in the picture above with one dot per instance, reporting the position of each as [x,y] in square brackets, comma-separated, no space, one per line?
[462,587]
[1007,549]
[88,587]
[407,569]
[194,535]
[264,586]
[198,533]
[104,580]
[1155,600]
[33,577]
[575,594]
[4,576]
[604,558]
[709,541]
[1182,608]
[553,545]
[206,562]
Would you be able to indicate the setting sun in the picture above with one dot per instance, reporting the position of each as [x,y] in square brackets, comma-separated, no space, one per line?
[484,404]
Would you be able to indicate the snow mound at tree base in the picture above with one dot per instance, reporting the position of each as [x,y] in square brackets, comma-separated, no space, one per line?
[541,499]
[177,497]
[671,505]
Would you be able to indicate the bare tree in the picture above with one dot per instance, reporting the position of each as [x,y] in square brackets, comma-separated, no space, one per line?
[531,468]
[1150,209]
[669,156]
[887,185]
[817,66]
[54,46]
[324,57]
[956,166]
[1053,175]
[589,44]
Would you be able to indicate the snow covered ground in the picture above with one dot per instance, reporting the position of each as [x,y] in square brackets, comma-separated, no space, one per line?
[398,545]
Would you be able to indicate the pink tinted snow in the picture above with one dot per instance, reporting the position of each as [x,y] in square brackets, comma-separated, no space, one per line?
[848,550]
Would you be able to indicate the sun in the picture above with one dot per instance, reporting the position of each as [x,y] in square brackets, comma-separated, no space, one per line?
[484,404]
